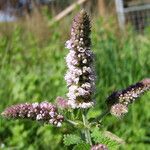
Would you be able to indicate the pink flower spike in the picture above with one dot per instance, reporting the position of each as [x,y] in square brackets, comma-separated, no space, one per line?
[80,76]
[44,111]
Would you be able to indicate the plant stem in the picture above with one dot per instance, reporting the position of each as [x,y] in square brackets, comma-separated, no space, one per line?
[71,122]
[101,116]
[86,129]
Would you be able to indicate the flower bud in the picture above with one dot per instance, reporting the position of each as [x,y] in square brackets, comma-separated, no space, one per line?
[62,103]
[99,147]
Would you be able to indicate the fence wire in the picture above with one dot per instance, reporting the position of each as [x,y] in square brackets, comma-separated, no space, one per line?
[137,15]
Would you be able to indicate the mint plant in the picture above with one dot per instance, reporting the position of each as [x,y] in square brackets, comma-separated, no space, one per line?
[73,110]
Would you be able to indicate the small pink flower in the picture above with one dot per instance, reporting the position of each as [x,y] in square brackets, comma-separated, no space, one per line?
[62,103]
[99,147]
[118,110]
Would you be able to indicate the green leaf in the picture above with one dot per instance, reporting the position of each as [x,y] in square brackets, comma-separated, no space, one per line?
[71,139]
[93,113]
[82,146]
[99,137]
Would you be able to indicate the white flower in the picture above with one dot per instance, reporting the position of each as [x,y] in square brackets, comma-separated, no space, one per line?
[82,92]
[86,85]
[87,69]
[35,104]
[71,78]
[86,105]
[81,49]
[52,114]
[68,44]
[84,61]
[39,117]
[59,124]
[71,58]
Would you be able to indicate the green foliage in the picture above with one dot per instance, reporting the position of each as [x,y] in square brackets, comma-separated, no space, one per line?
[82,146]
[99,137]
[70,139]
[92,113]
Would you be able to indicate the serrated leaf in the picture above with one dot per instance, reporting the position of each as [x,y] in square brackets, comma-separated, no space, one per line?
[99,137]
[113,137]
[82,146]
[71,139]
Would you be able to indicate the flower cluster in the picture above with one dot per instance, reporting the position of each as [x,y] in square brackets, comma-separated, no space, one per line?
[80,76]
[62,103]
[99,147]
[44,111]
[119,101]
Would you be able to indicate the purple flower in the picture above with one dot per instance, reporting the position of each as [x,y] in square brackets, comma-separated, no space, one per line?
[80,76]
[44,111]
[118,110]
[99,147]
[62,103]
[118,101]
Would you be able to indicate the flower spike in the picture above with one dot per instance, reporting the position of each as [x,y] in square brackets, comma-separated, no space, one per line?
[80,76]
[44,111]
[119,101]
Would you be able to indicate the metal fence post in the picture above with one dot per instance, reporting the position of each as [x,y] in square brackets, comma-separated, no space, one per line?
[120,13]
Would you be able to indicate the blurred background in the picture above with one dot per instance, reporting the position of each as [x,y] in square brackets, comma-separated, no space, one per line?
[32,65]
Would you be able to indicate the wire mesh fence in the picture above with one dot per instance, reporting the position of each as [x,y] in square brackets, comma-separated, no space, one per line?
[138,15]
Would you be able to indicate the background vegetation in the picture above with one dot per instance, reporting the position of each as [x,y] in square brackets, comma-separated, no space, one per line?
[32,68]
